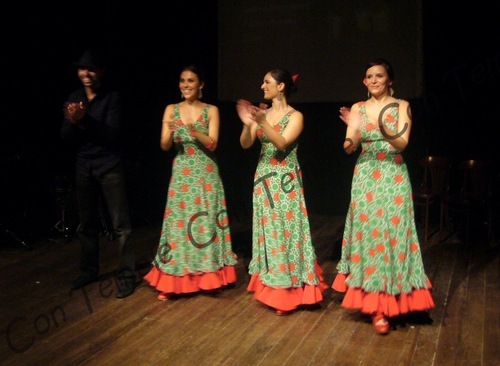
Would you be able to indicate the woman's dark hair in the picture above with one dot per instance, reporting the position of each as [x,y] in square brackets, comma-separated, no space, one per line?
[385,64]
[283,76]
[195,70]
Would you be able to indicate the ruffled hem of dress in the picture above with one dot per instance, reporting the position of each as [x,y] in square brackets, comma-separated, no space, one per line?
[287,299]
[390,305]
[190,283]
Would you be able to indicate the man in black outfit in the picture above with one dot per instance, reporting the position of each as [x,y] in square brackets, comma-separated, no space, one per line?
[92,121]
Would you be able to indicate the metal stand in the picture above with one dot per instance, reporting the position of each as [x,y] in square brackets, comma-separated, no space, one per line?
[4,228]
[14,236]
[63,191]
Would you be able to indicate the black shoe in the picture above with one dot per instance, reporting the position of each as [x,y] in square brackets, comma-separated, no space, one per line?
[125,288]
[83,281]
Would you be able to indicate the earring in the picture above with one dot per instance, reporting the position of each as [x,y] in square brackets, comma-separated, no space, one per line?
[200,94]
[280,97]
[182,96]
[391,92]
[369,95]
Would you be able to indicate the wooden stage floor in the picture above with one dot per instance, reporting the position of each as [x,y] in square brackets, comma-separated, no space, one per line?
[44,324]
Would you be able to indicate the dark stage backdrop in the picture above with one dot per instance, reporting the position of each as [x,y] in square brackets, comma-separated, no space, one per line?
[147,42]
[327,42]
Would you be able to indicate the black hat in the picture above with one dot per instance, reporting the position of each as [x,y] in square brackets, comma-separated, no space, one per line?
[91,58]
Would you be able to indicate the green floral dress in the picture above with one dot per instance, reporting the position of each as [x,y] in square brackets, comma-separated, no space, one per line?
[380,248]
[283,255]
[195,237]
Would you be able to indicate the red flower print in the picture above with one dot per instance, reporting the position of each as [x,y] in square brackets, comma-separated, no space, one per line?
[381,156]
[363,217]
[414,247]
[398,200]
[289,215]
[186,171]
[210,168]
[376,174]
[370,270]
[395,220]
[356,258]
[369,196]
[398,178]
[190,151]
[185,188]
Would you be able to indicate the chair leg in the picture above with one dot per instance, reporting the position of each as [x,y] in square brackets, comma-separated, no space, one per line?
[467,226]
[491,234]
[443,213]
[426,224]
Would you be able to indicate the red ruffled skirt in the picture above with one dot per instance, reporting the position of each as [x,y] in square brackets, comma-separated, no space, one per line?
[192,282]
[288,299]
[389,305]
